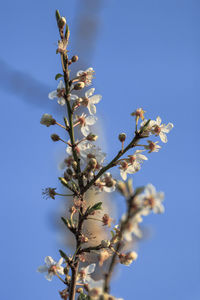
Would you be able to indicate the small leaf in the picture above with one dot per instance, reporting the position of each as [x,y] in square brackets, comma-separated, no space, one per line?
[58,16]
[96,206]
[58,76]
[66,122]
[67,222]
[112,233]
[64,255]
[67,33]
[83,297]
[139,190]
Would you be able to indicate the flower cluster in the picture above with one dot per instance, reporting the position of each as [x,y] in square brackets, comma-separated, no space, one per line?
[83,169]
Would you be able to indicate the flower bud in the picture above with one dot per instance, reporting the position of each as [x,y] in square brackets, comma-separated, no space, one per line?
[92,163]
[47,120]
[127,259]
[79,290]
[74,165]
[92,137]
[74,58]
[110,182]
[105,243]
[66,176]
[79,86]
[61,22]
[55,137]
[122,137]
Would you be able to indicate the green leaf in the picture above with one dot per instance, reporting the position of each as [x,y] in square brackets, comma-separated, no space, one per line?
[66,122]
[83,297]
[58,16]
[96,206]
[58,76]
[64,255]
[112,233]
[67,222]
[67,33]
[139,190]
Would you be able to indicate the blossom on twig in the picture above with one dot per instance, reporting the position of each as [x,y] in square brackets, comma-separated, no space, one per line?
[51,267]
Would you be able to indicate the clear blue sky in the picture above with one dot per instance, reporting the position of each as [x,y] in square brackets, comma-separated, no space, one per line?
[146,55]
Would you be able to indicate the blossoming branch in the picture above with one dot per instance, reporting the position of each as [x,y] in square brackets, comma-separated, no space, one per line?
[84,170]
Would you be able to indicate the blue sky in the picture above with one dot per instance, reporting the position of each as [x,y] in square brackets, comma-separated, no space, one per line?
[145,54]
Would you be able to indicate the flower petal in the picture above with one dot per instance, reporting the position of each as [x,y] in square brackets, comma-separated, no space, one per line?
[95,99]
[60,270]
[89,93]
[123,174]
[60,262]
[91,120]
[90,269]
[52,95]
[168,127]
[61,85]
[85,130]
[61,101]
[49,276]
[49,261]
[92,109]
[163,137]
[42,269]
[158,121]
[73,97]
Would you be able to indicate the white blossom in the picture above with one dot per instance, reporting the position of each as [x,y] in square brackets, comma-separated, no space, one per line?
[51,267]
[90,100]
[81,149]
[85,278]
[86,76]
[94,152]
[151,199]
[84,122]
[105,183]
[132,228]
[59,93]
[132,164]
[161,129]
[152,146]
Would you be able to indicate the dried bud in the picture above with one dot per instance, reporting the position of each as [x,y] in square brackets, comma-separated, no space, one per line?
[47,120]
[105,243]
[74,58]
[49,193]
[92,137]
[61,22]
[79,86]
[122,137]
[55,137]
